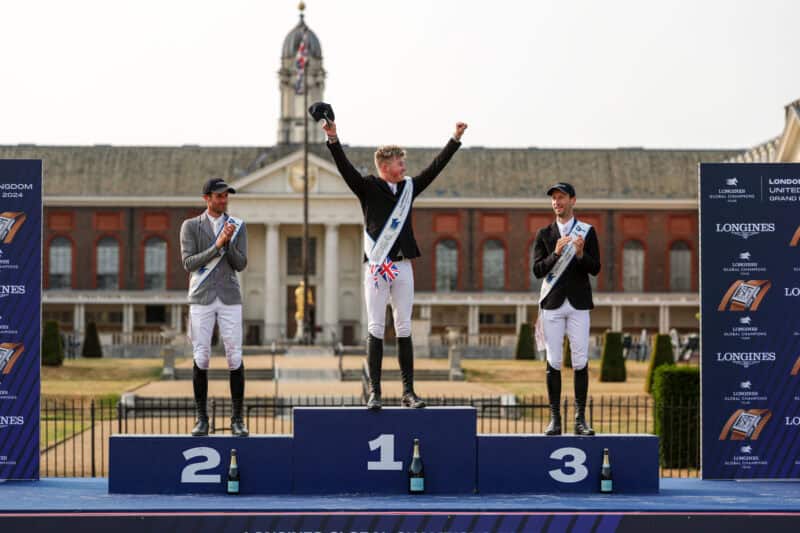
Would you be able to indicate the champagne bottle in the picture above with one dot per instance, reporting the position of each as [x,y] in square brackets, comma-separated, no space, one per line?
[416,472]
[606,483]
[233,474]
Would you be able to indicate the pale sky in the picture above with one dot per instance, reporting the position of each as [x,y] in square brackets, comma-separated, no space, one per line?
[669,74]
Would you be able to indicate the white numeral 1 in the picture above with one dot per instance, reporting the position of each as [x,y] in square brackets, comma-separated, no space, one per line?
[385,443]
[579,472]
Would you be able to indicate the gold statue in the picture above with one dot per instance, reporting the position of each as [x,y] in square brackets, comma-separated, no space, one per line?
[298,299]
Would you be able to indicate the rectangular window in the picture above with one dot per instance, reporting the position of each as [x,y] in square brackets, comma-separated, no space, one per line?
[294,256]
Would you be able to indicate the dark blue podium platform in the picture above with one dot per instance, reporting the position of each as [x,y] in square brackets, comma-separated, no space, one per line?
[356,451]
[351,450]
[72,505]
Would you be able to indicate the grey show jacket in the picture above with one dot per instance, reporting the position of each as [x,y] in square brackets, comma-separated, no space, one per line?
[198,248]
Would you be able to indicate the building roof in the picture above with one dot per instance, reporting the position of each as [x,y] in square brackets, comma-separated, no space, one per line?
[473,172]
[293,38]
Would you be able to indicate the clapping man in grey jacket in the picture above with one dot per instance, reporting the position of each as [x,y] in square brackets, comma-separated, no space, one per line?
[213,250]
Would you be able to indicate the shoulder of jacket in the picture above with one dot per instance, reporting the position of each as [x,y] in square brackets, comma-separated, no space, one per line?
[190,221]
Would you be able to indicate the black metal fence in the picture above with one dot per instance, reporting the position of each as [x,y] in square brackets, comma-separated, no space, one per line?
[74,432]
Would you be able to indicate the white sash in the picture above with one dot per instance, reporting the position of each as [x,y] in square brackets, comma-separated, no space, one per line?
[376,251]
[579,229]
[201,274]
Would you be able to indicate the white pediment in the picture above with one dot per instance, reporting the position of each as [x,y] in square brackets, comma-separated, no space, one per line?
[285,176]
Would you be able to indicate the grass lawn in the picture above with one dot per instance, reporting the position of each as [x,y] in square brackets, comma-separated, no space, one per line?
[98,378]
[526,378]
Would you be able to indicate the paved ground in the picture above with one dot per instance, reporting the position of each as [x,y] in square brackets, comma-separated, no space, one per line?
[316,362]
[220,388]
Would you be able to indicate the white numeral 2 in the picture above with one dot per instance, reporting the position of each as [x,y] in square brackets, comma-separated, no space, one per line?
[385,443]
[191,473]
[579,472]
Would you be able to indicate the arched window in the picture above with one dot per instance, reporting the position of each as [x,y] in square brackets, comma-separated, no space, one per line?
[108,264]
[633,267]
[494,266]
[535,283]
[155,263]
[60,264]
[680,267]
[446,265]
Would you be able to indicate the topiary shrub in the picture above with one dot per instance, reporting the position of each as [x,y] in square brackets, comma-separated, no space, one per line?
[662,355]
[91,344]
[525,349]
[676,394]
[52,349]
[612,362]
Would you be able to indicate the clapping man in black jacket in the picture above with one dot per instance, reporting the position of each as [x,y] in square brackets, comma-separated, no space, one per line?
[386,202]
[565,253]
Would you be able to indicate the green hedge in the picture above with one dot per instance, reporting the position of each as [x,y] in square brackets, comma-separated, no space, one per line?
[52,349]
[662,355]
[612,362]
[525,348]
[91,344]
[676,394]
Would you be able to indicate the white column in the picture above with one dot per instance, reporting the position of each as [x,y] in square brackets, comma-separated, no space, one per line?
[79,321]
[176,317]
[331,282]
[425,312]
[522,315]
[616,318]
[272,279]
[473,324]
[127,323]
[663,319]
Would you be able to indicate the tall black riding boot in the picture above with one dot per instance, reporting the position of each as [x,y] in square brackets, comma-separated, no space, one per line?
[200,385]
[405,356]
[238,429]
[554,397]
[374,364]
[581,392]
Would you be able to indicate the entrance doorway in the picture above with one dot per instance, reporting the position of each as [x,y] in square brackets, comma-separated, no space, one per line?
[291,309]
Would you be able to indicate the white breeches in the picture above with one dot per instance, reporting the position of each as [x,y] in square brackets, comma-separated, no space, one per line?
[573,322]
[400,294]
[201,328]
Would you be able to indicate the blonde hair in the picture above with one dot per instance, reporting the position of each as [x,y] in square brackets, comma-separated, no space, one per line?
[386,153]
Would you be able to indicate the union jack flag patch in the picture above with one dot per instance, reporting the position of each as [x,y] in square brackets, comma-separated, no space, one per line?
[388,271]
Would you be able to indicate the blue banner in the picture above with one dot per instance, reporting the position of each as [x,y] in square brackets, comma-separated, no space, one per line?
[20,316]
[750,327]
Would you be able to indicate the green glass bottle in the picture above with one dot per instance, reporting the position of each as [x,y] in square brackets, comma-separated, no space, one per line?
[233,474]
[416,472]
[606,482]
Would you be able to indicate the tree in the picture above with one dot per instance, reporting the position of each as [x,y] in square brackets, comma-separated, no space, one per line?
[612,362]
[662,355]
[91,344]
[52,348]
[525,349]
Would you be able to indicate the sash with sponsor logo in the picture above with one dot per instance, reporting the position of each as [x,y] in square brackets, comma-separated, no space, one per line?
[377,251]
[579,229]
[201,274]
